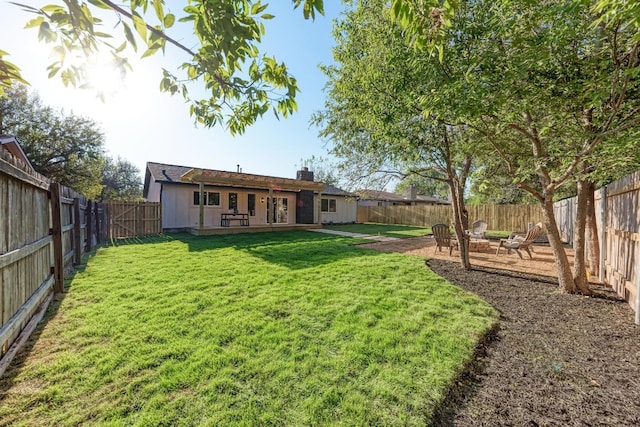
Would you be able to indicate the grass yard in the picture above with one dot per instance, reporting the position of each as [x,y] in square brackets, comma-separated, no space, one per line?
[400,231]
[294,328]
[391,230]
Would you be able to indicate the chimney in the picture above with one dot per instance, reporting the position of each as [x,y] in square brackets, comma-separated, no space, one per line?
[411,192]
[304,174]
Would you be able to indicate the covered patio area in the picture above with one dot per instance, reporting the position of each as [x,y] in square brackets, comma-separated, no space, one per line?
[259,228]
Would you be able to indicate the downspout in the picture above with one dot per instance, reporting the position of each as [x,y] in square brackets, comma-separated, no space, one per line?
[603,227]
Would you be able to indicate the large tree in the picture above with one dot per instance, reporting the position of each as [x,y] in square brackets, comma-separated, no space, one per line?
[66,148]
[554,96]
[120,180]
[374,115]
[239,82]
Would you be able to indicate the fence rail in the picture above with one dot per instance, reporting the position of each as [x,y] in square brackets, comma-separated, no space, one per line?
[45,229]
[499,217]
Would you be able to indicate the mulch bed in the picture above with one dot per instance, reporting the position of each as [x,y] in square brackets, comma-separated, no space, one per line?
[553,359]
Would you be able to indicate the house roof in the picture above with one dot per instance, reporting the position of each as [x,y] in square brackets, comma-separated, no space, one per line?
[393,197]
[161,172]
[331,190]
[10,143]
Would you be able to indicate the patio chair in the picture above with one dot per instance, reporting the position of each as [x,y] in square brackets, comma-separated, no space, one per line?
[519,242]
[478,229]
[443,238]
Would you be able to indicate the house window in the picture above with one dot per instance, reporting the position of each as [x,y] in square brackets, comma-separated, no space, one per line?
[233,201]
[328,205]
[251,204]
[211,198]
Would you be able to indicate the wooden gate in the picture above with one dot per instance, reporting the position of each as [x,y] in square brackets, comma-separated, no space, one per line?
[130,219]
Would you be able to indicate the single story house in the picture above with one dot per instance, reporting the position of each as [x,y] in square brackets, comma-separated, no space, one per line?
[385,198]
[205,201]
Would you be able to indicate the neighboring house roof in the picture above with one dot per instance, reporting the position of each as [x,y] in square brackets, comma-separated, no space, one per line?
[435,200]
[393,197]
[330,190]
[10,143]
[160,172]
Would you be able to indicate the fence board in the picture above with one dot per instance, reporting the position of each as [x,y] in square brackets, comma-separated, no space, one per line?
[45,228]
[499,217]
[129,219]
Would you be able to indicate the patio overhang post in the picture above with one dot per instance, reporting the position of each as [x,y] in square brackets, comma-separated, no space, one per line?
[270,206]
[603,219]
[201,216]
[319,208]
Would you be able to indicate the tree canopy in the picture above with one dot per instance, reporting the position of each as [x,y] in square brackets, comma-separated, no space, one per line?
[239,82]
[66,148]
[550,89]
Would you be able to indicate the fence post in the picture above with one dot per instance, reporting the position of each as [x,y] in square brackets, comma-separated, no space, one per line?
[603,218]
[56,231]
[140,231]
[77,232]
[96,211]
[637,318]
[106,222]
[89,223]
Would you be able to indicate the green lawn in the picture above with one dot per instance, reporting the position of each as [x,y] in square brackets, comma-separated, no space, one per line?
[294,328]
[400,231]
[391,230]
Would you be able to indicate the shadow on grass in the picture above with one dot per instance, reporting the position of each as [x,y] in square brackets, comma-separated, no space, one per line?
[7,380]
[291,249]
[391,230]
[140,240]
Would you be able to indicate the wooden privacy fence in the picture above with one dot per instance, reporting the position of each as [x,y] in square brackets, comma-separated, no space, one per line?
[129,219]
[45,228]
[498,217]
[617,207]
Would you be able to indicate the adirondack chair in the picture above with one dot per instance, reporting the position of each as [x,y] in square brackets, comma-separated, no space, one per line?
[519,242]
[478,229]
[443,238]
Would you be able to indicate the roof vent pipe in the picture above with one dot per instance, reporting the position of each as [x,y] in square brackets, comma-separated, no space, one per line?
[238,168]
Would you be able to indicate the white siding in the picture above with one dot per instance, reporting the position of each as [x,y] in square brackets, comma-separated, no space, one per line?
[178,210]
[153,194]
[346,210]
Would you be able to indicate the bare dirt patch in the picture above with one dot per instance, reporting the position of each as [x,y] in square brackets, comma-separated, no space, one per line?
[553,360]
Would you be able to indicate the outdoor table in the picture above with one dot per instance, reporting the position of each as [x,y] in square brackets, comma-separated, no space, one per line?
[226,218]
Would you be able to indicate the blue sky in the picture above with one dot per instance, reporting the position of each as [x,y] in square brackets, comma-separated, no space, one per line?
[142,124]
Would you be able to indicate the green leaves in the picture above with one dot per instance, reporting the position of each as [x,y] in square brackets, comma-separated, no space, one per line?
[9,73]
[239,84]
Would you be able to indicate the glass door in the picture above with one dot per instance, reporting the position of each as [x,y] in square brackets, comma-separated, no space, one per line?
[280,211]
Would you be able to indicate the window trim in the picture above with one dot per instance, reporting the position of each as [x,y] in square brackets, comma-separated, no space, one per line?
[330,201]
[207,198]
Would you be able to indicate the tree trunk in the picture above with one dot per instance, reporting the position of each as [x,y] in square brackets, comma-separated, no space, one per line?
[565,278]
[459,214]
[592,238]
[579,261]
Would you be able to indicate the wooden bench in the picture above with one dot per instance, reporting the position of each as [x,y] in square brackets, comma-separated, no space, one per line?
[226,218]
